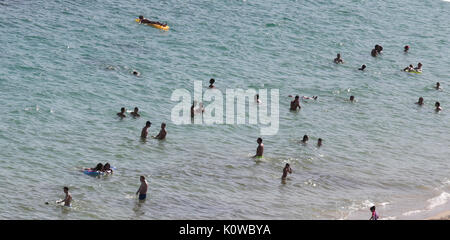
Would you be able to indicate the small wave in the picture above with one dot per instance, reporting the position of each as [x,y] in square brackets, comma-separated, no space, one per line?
[439,200]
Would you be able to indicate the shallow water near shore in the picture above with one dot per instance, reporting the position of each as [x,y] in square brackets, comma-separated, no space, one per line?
[66,70]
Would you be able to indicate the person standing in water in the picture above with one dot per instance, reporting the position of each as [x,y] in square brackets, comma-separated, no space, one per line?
[295,104]
[374,214]
[338,59]
[192,110]
[259,149]
[121,114]
[144,131]
[162,133]
[68,199]
[135,113]
[420,102]
[142,191]
[287,169]
[406,48]
[257,99]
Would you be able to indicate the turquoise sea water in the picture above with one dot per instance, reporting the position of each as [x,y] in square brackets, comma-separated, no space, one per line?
[65,72]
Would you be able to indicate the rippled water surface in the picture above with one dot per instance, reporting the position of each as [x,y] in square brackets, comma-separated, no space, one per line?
[65,71]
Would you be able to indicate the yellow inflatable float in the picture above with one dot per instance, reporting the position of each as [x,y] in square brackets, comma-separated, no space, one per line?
[165,28]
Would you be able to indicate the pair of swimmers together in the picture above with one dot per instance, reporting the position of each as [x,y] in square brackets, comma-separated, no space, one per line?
[437,104]
[306,138]
[101,168]
[145,20]
[135,113]
[161,135]
[376,51]
[296,102]
[411,68]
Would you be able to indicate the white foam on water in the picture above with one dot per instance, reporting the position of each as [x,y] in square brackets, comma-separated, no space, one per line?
[439,200]
[412,212]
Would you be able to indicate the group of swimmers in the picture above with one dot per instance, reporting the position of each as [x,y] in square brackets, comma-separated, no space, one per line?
[162,133]
[295,104]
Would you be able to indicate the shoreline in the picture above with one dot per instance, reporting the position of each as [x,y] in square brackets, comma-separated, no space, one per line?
[441,216]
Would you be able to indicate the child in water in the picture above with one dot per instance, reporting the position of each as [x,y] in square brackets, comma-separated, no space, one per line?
[374,214]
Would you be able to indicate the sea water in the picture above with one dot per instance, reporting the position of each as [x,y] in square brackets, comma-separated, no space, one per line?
[66,70]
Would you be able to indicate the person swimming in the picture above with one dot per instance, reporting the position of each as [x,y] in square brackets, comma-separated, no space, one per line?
[295,104]
[379,49]
[162,133]
[144,131]
[406,49]
[142,191]
[438,106]
[306,97]
[374,52]
[260,148]
[438,86]
[410,68]
[352,98]
[67,199]
[135,113]
[136,73]
[338,59]
[374,214]
[420,102]
[418,68]
[107,168]
[99,167]
[145,20]
[121,114]
[362,67]
[305,139]
[319,142]
[287,169]
[211,83]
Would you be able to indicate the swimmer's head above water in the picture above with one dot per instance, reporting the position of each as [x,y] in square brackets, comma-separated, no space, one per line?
[420,102]
[305,138]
